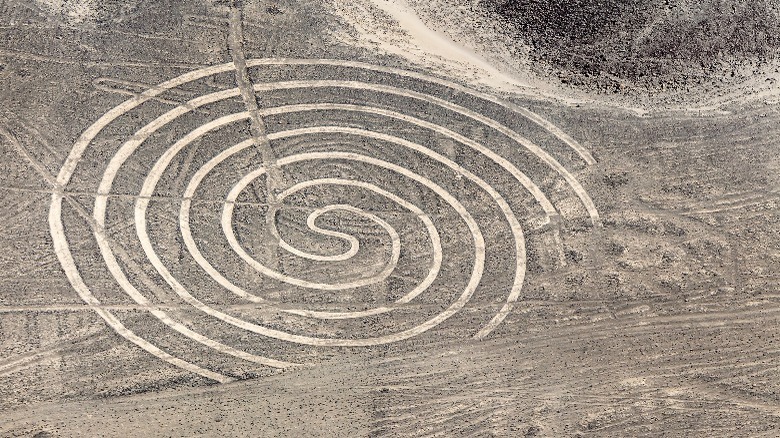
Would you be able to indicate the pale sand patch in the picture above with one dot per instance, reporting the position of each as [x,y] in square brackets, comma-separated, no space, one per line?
[450,40]
[453,39]
[73,11]
[394,27]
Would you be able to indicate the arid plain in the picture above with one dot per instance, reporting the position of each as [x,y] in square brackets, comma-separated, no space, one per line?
[278,219]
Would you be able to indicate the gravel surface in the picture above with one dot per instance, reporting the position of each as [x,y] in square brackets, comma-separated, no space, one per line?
[290,218]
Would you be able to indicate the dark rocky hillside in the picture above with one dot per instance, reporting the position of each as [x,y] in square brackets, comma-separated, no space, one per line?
[616,45]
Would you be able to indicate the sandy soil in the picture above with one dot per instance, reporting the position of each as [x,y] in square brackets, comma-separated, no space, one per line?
[602,268]
[459,34]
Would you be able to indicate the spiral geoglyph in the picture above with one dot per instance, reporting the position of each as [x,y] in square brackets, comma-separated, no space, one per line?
[390,153]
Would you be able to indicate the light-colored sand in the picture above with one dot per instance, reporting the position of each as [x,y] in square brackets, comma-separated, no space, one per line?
[73,11]
[394,27]
[451,39]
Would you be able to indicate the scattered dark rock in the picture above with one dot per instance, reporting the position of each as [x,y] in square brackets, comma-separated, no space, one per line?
[615,180]
[624,45]
[274,10]
[573,256]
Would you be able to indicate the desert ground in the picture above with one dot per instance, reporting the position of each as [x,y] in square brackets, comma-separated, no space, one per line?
[384,218]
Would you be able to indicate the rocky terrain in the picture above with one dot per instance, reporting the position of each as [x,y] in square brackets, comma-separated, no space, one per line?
[617,46]
[293,218]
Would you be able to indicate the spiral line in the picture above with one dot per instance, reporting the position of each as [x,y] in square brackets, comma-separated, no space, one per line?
[430,277]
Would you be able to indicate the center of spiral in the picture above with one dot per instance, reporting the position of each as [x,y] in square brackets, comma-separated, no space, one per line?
[285,217]
[311,223]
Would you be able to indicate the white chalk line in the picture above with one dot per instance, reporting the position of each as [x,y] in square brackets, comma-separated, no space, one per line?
[517,232]
[433,235]
[82,143]
[192,187]
[164,317]
[99,213]
[71,271]
[523,179]
[190,191]
[581,151]
[556,131]
[62,251]
[476,275]
[131,145]
[150,183]
[227,228]
[66,172]
[311,222]
[527,144]
[256,123]
[90,133]
[584,197]
[156,173]
[184,223]
[144,133]
[354,242]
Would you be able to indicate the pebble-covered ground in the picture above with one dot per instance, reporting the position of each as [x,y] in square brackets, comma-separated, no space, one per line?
[296,218]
